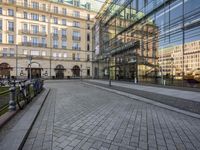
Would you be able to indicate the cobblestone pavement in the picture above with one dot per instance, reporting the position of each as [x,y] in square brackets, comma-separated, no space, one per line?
[77,116]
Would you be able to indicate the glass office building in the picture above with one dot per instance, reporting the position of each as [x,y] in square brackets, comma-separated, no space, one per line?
[151,41]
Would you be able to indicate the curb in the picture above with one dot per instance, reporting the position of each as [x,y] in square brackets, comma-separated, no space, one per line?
[16,137]
[6,117]
[149,101]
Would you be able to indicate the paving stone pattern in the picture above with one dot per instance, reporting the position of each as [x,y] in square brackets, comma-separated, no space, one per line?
[77,116]
[184,104]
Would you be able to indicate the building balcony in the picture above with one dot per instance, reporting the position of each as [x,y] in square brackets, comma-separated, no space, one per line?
[55,35]
[76,48]
[33,44]
[32,32]
[76,38]
[64,36]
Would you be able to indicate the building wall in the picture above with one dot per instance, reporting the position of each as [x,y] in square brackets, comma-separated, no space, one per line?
[35,36]
[168,33]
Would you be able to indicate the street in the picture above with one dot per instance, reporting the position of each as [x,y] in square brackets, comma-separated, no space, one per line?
[79,116]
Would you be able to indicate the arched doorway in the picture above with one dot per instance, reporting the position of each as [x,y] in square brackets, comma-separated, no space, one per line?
[5,70]
[59,71]
[35,70]
[76,71]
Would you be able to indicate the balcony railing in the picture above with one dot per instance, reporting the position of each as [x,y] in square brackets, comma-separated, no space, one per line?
[76,38]
[64,36]
[55,35]
[33,44]
[76,48]
[32,32]
[41,8]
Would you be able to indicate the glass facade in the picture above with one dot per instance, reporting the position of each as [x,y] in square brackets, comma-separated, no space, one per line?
[151,41]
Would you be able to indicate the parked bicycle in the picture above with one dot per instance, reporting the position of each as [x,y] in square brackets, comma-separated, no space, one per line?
[24,94]
[37,86]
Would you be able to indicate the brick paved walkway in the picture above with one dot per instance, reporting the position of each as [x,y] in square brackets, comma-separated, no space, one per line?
[77,116]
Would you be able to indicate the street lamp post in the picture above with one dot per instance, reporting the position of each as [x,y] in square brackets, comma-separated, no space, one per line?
[81,72]
[109,79]
[30,61]
[172,69]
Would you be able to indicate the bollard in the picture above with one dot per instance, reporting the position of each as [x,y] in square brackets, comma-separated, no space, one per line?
[135,80]
[164,82]
[12,103]
[109,82]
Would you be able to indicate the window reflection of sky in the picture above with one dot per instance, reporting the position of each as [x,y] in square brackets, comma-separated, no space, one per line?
[173,28]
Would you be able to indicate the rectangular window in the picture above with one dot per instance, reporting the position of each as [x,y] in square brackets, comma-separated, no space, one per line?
[35,53]
[76,24]
[76,14]
[35,29]
[64,22]
[76,3]
[25,15]
[55,43]
[10,12]
[44,44]
[1,24]
[11,1]
[12,52]
[88,16]
[64,11]
[55,31]
[88,57]
[64,33]
[78,56]
[76,46]
[44,7]
[43,30]
[73,56]
[34,41]
[43,18]
[10,26]
[88,6]
[55,9]
[5,52]
[35,5]
[65,55]
[88,47]
[44,53]
[64,44]
[34,16]
[25,52]
[55,20]
[88,72]
[0,37]
[25,3]
[24,40]
[88,26]
[25,27]
[54,55]
[1,11]
[88,36]
[10,39]
[76,36]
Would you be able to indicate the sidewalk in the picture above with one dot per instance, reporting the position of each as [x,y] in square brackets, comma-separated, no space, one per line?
[187,100]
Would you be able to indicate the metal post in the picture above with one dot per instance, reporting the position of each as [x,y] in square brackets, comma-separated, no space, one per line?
[81,72]
[12,103]
[109,72]
[16,60]
[30,61]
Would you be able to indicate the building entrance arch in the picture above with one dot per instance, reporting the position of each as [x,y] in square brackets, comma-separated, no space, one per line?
[5,70]
[34,69]
[76,71]
[59,70]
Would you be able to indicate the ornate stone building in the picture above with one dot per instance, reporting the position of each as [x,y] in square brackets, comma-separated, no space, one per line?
[53,36]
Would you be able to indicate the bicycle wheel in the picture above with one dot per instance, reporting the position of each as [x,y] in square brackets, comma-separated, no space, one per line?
[20,100]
